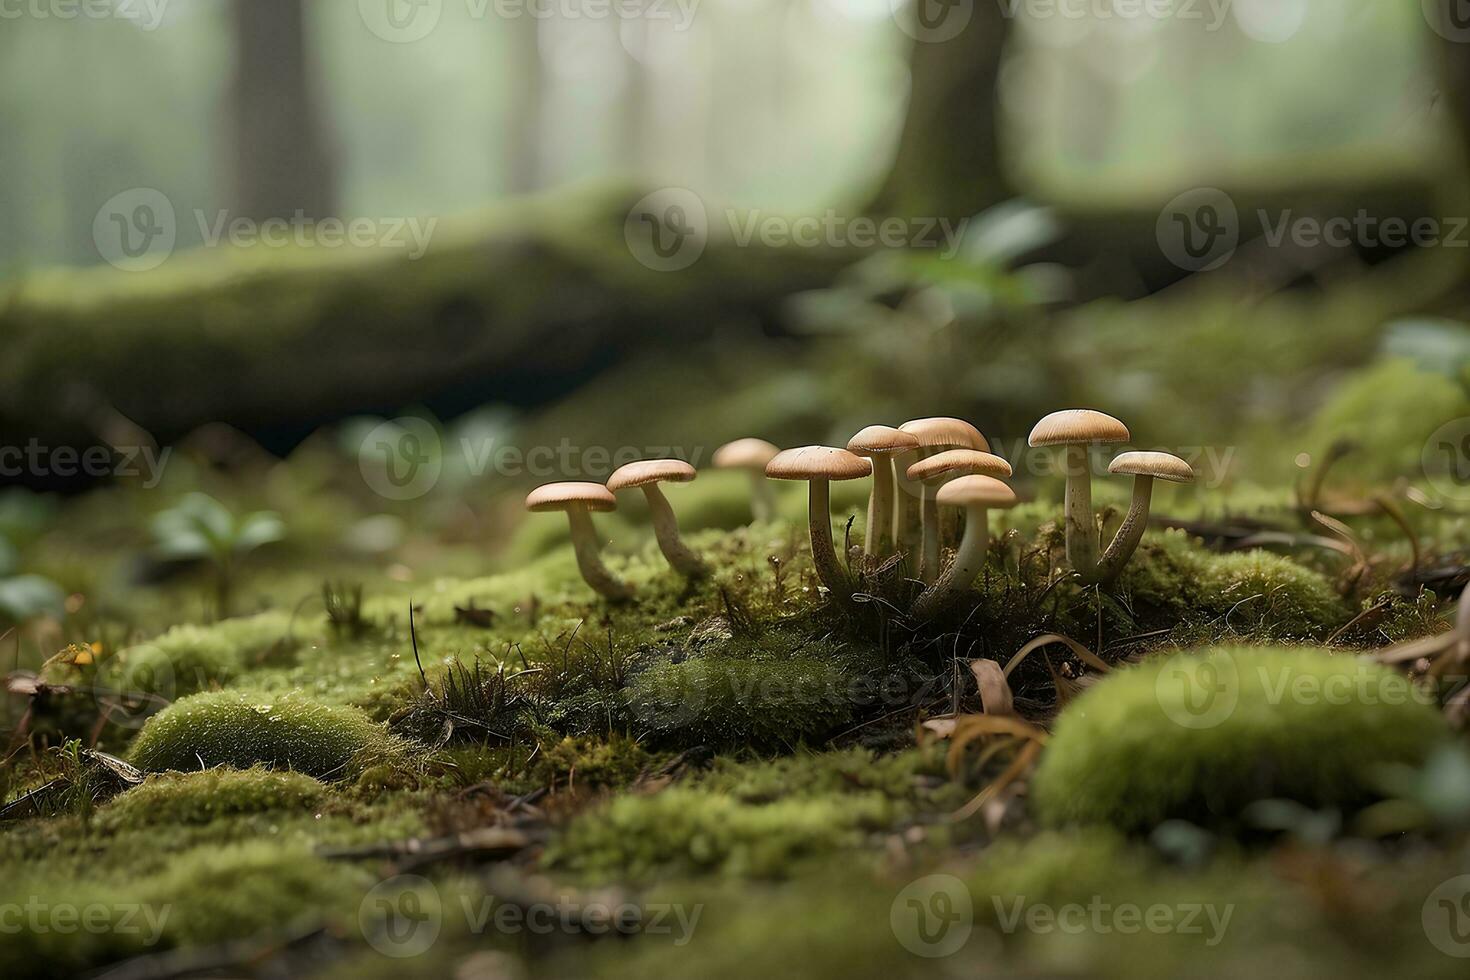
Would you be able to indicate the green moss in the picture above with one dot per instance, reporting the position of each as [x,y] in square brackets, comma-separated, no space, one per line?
[1201,735]
[236,729]
[190,658]
[690,831]
[200,797]
[764,698]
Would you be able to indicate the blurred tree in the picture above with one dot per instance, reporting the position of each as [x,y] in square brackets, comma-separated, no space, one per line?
[282,159]
[523,158]
[948,162]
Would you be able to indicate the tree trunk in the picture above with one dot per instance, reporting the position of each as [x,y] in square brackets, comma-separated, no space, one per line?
[948,162]
[281,156]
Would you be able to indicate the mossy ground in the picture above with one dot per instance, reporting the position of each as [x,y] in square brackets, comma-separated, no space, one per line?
[737,743]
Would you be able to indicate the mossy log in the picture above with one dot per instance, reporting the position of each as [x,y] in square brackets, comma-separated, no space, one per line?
[514,307]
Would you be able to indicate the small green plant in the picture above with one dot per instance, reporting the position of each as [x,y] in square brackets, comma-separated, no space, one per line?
[199,527]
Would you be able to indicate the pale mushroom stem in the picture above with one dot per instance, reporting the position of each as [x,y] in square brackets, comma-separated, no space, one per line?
[1462,626]
[1081,529]
[762,497]
[929,518]
[968,562]
[589,561]
[824,555]
[666,529]
[877,541]
[906,527]
[1130,533]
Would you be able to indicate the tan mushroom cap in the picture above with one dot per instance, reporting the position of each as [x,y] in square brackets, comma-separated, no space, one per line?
[817,463]
[959,462]
[944,431]
[881,440]
[744,454]
[1163,466]
[1075,426]
[565,496]
[645,471]
[976,491]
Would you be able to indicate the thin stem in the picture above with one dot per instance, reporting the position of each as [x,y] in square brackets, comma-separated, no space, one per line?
[929,558]
[1081,525]
[824,555]
[877,540]
[969,559]
[666,529]
[589,562]
[1130,533]
[762,497]
[905,504]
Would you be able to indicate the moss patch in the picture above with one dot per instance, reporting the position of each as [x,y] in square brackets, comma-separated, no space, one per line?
[236,729]
[200,797]
[1199,736]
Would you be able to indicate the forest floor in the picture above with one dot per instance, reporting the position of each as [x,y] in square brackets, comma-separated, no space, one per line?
[378,765]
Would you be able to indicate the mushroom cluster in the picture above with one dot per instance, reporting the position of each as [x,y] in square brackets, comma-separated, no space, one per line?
[930,477]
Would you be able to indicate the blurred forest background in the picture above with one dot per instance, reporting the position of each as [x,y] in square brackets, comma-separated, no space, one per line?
[1057,131]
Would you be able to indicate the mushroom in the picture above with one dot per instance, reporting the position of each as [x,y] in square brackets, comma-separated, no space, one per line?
[646,475]
[1145,467]
[1076,429]
[578,500]
[977,495]
[933,472]
[818,465]
[880,443]
[751,455]
[934,434]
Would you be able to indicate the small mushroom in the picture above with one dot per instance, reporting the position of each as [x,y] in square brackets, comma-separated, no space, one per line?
[1144,467]
[977,495]
[934,435]
[818,465]
[881,443]
[646,475]
[1076,429]
[577,501]
[933,472]
[751,455]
